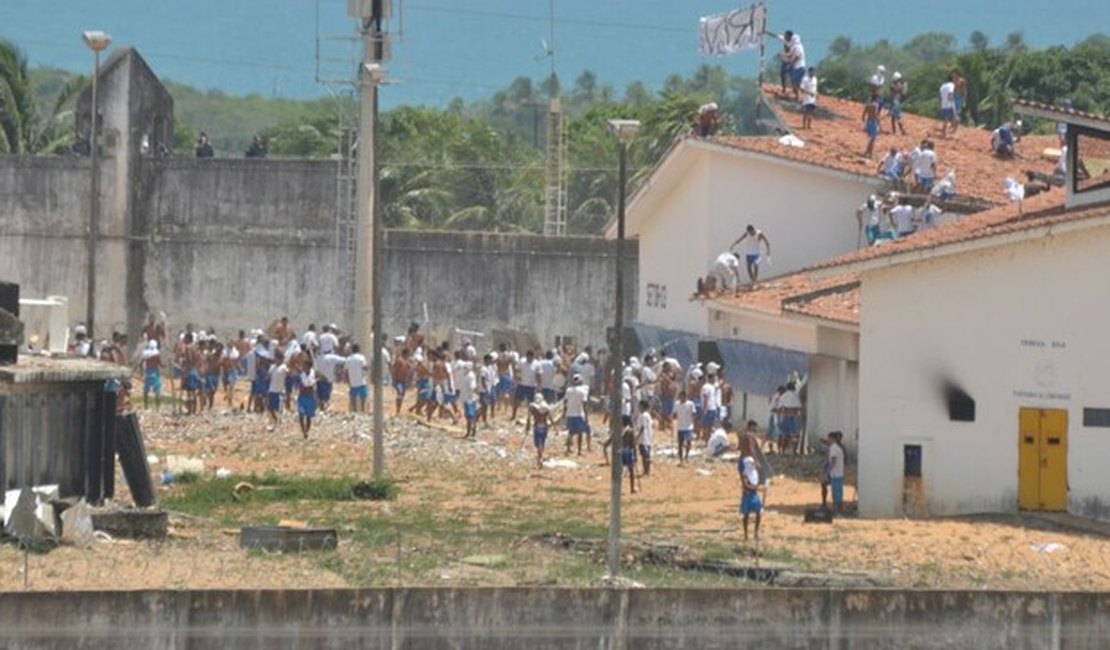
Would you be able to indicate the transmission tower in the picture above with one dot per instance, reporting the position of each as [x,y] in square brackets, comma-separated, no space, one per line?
[555,149]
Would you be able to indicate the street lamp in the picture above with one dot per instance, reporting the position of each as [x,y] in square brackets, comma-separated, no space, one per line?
[624,131]
[96,41]
[376,75]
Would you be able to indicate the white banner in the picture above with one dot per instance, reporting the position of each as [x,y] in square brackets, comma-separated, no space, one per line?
[732,32]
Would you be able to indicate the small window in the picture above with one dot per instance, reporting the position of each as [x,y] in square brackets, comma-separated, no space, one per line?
[911,461]
[1096,417]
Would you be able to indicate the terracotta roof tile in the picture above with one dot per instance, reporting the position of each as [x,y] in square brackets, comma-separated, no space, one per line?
[837,141]
[834,298]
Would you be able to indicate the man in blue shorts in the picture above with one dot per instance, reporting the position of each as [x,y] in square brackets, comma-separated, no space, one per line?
[278,374]
[576,399]
[400,372]
[755,247]
[749,496]
[539,419]
[871,123]
[526,371]
[306,398]
[628,451]
[686,414]
[152,374]
[356,379]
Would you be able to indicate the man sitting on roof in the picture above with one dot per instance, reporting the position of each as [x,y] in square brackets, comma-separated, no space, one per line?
[1004,139]
[706,125]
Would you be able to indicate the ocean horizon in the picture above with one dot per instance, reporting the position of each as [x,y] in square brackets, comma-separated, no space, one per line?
[444,50]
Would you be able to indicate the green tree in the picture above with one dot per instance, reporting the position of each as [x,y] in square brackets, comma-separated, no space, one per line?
[22,128]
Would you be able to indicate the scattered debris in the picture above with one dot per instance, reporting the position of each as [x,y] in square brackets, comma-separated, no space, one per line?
[487,561]
[241,490]
[620,582]
[77,525]
[179,464]
[818,516]
[1047,547]
[132,524]
[223,472]
[560,463]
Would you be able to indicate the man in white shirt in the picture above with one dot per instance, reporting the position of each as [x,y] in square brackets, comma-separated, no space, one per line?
[718,442]
[925,166]
[809,97]
[685,414]
[309,340]
[468,395]
[578,424]
[901,218]
[726,271]
[328,341]
[278,373]
[356,380]
[306,398]
[546,377]
[526,371]
[644,436]
[326,366]
[755,244]
[948,105]
[710,405]
[789,414]
[835,466]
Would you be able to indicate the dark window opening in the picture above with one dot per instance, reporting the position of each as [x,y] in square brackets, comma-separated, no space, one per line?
[1092,160]
[911,460]
[1096,417]
[961,407]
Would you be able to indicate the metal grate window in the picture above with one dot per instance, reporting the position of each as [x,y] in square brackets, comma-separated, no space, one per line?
[1096,417]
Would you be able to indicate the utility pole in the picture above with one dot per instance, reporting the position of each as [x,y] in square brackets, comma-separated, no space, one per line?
[97,41]
[368,278]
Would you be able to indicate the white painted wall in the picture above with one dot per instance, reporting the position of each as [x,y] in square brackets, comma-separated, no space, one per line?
[832,399]
[808,216]
[674,253]
[965,318]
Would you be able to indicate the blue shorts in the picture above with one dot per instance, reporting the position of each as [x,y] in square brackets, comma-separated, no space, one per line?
[291,382]
[948,114]
[709,418]
[577,424]
[809,108]
[273,402]
[925,181]
[399,387]
[628,459]
[260,387]
[872,234]
[896,109]
[487,397]
[243,365]
[470,410]
[323,390]
[211,382]
[504,384]
[750,503]
[958,100]
[192,381]
[451,398]
[788,424]
[645,452]
[424,389]
[548,395]
[525,393]
[306,404]
[837,490]
[686,436]
[666,406]
[152,381]
[230,377]
[539,437]
[360,392]
[752,259]
[796,75]
[872,128]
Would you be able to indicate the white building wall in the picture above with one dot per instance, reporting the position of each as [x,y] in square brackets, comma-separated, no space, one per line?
[674,253]
[832,399]
[1024,325]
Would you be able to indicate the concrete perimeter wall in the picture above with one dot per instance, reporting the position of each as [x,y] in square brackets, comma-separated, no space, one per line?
[236,243]
[491,619]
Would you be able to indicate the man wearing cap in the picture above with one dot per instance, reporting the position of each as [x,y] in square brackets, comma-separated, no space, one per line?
[538,419]
[710,404]
[152,377]
[1004,139]
[897,96]
[878,80]
[577,423]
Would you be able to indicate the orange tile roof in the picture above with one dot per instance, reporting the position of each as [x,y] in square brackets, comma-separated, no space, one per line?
[830,289]
[837,141]
[1041,210]
[833,298]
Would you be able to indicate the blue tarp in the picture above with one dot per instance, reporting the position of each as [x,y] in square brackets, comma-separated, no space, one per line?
[750,367]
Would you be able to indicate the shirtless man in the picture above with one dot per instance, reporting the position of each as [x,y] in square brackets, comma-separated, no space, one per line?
[425,392]
[154,331]
[213,363]
[504,372]
[668,388]
[191,362]
[539,421]
[400,373]
[229,371]
[441,382]
[413,339]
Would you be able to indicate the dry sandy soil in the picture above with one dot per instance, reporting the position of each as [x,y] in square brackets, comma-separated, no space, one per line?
[475,513]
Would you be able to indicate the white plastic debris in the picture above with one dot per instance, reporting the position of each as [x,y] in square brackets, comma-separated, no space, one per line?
[77,526]
[151,459]
[1047,547]
[223,472]
[179,464]
[560,463]
[791,140]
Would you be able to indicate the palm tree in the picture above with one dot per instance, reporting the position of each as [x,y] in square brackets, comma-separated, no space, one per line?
[22,130]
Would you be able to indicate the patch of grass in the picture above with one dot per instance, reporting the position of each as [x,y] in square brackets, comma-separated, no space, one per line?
[204,497]
[187,478]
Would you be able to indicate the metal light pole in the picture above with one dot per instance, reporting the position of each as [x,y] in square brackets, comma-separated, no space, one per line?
[97,41]
[624,130]
[377,75]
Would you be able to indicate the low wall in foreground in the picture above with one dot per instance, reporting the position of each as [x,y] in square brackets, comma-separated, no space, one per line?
[539,618]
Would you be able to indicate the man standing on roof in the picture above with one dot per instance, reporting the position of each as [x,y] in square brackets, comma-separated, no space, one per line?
[809,97]
[878,80]
[948,105]
[794,60]
[757,242]
[925,165]
[871,123]
[897,96]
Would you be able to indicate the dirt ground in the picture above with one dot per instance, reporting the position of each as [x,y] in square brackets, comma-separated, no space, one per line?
[475,512]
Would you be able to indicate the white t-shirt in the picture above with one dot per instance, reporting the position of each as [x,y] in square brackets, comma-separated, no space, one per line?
[711,396]
[685,412]
[308,339]
[487,378]
[547,374]
[809,90]
[836,461]
[576,400]
[278,373]
[467,386]
[329,363]
[718,442]
[790,400]
[356,370]
[878,80]
[328,342]
[947,95]
[925,163]
[903,218]
[726,261]
[626,399]
[526,371]
[797,52]
[459,369]
[308,379]
[645,429]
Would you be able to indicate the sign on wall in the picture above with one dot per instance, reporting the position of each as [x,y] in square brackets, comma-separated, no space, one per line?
[655,296]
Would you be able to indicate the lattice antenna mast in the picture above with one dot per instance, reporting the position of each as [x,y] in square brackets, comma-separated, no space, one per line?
[555,176]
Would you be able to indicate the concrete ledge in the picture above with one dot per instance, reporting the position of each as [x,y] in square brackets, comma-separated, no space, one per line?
[539,618]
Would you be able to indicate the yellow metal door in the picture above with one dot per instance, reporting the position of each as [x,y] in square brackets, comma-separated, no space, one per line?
[1054,460]
[1042,459]
[1029,459]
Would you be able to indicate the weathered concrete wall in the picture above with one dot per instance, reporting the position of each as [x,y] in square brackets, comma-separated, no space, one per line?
[538,619]
[236,243]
